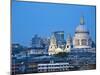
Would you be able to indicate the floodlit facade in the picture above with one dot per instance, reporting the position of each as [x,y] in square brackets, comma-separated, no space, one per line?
[68,44]
[53,45]
[82,38]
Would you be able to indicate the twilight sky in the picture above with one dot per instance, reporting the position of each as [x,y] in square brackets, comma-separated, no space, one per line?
[30,18]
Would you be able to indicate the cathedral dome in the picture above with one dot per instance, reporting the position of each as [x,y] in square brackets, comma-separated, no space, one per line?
[82,39]
[81,27]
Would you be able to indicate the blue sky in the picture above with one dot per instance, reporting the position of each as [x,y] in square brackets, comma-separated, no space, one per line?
[30,18]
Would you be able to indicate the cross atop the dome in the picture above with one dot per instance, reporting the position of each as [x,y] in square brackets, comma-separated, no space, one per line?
[82,20]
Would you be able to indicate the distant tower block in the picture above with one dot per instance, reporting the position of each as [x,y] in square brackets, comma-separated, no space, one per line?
[68,43]
[53,45]
[59,35]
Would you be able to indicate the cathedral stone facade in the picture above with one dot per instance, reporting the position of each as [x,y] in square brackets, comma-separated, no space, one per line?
[53,45]
[81,39]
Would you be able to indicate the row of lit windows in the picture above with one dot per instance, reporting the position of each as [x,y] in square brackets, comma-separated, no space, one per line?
[50,70]
[53,66]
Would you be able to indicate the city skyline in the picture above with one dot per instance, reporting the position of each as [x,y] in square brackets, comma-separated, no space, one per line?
[44,18]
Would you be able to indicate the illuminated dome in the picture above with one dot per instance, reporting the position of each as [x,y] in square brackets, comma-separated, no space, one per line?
[82,38]
[81,27]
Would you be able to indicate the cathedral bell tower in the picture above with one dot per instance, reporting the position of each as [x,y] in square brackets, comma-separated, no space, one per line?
[68,43]
[52,46]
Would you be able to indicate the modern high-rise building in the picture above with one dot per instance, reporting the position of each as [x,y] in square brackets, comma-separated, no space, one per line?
[36,42]
[59,35]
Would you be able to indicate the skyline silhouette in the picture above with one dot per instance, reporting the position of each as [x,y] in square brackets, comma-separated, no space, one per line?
[30,18]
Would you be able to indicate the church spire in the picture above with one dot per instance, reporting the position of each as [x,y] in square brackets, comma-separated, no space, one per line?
[82,20]
[53,45]
[68,43]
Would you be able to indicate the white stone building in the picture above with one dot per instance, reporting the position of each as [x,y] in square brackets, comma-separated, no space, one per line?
[53,45]
[68,44]
[82,38]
